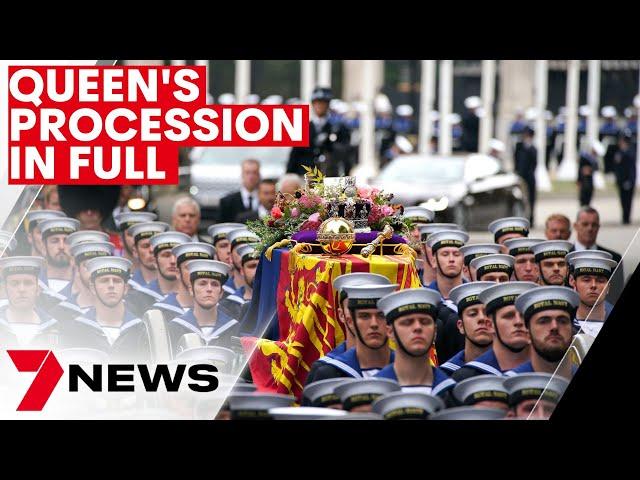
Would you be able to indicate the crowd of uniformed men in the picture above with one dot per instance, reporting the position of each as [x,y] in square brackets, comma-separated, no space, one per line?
[501,315]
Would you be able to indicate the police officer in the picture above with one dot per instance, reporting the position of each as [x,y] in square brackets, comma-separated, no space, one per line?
[534,395]
[624,167]
[123,221]
[410,316]
[589,276]
[237,237]
[371,352]
[525,268]
[212,324]
[548,314]
[474,324]
[503,229]
[59,271]
[496,267]
[510,346]
[526,160]
[328,141]
[550,257]
[238,303]
[586,169]
[473,251]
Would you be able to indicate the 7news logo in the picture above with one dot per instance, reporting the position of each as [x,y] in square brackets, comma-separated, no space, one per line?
[49,372]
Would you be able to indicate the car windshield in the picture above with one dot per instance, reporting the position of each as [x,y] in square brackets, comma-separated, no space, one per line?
[235,155]
[417,169]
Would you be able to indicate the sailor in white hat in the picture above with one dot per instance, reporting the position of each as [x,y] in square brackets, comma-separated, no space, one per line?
[407,406]
[34,235]
[496,267]
[123,221]
[469,413]
[218,233]
[403,124]
[237,304]
[146,267]
[483,391]
[212,324]
[473,251]
[411,324]
[322,393]
[429,273]
[589,275]
[550,257]
[371,351]
[237,237]
[358,394]
[525,268]
[447,260]
[474,324]
[509,227]
[59,271]
[534,395]
[7,243]
[186,253]
[510,346]
[84,236]
[418,216]
[548,314]
[497,148]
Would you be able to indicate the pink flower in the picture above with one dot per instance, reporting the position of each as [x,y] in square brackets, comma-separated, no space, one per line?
[364,192]
[375,192]
[309,201]
[314,217]
[294,212]
[276,212]
[387,211]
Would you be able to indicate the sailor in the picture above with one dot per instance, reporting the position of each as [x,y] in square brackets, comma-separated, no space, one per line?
[371,351]
[496,267]
[510,346]
[429,273]
[358,394]
[125,220]
[218,233]
[418,216]
[411,324]
[534,395]
[525,268]
[509,227]
[447,260]
[206,278]
[469,413]
[59,270]
[168,282]
[322,393]
[237,237]
[407,406]
[589,276]
[474,324]
[83,236]
[236,305]
[550,257]
[548,314]
[483,391]
[34,235]
[475,250]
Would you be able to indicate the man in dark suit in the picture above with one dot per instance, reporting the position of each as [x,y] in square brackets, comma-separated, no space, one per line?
[471,124]
[244,200]
[624,167]
[526,160]
[329,141]
[266,198]
[587,226]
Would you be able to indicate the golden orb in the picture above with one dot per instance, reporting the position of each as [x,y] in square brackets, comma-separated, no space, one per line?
[336,236]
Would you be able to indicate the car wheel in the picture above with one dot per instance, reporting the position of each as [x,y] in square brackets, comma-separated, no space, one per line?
[461,216]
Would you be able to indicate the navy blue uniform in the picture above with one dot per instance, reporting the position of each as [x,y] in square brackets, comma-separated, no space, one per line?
[487,363]
[344,365]
[442,383]
[224,328]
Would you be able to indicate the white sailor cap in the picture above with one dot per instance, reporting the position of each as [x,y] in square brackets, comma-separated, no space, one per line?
[305,413]
[7,242]
[521,246]
[219,231]
[322,393]
[21,264]
[367,296]
[572,256]
[193,251]
[357,278]
[598,147]
[126,219]
[240,236]
[273,100]
[469,413]
[608,111]
[418,215]
[503,226]
[246,253]
[472,102]
[408,302]
[208,269]
[496,262]
[227,99]
[252,99]
[220,357]
[164,240]
[531,113]
[57,226]
[84,236]
[584,110]
[88,250]
[551,249]
[503,294]
[585,265]
[363,391]
[533,386]
[256,405]
[481,388]
[404,110]
[497,145]
[407,406]
[475,250]
[447,238]
[455,118]
[468,294]
[382,104]
[109,266]
[144,230]
[33,217]
[429,228]
[547,298]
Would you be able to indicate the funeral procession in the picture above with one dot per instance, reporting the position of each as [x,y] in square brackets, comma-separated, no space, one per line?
[447,247]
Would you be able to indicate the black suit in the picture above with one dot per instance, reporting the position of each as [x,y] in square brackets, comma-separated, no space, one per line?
[526,160]
[616,284]
[470,132]
[231,206]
